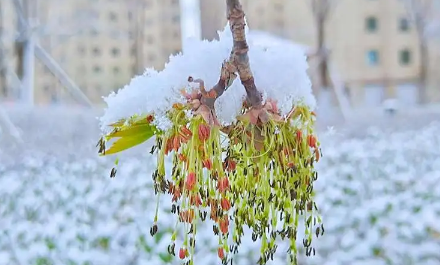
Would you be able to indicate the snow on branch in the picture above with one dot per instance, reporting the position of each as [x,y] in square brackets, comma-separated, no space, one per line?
[279,71]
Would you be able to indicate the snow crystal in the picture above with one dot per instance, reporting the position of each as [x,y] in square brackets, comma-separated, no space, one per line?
[279,67]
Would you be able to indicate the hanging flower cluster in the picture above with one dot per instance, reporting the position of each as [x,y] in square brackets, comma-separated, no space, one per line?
[256,172]
[261,178]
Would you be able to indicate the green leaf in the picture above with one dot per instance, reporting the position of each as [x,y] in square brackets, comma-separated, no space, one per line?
[127,142]
[131,130]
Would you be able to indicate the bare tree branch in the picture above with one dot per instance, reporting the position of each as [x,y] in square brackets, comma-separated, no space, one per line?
[240,51]
[238,62]
[423,14]
[321,11]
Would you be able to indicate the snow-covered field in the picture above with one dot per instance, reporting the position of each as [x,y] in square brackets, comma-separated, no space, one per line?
[379,195]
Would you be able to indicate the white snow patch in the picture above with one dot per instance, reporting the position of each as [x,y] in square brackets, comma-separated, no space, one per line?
[279,69]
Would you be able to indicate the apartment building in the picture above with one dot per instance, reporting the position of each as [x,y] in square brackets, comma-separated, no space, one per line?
[102,44]
[373,45]
[7,37]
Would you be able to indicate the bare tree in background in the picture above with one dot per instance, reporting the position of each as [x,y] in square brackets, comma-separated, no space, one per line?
[137,23]
[3,70]
[424,15]
[321,11]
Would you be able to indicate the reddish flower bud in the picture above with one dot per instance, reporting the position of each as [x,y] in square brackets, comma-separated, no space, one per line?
[224,225]
[168,145]
[223,184]
[317,155]
[190,181]
[187,216]
[150,118]
[176,142]
[176,194]
[221,253]
[311,141]
[207,164]
[298,135]
[204,132]
[232,165]
[182,158]
[291,165]
[182,253]
[186,131]
[196,200]
[226,205]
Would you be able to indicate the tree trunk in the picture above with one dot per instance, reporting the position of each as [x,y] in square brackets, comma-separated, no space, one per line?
[323,70]
[423,75]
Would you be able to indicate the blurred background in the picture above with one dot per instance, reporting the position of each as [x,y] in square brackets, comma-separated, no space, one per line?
[375,71]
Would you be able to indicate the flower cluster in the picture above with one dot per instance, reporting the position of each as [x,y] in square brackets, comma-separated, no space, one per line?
[272,179]
[261,178]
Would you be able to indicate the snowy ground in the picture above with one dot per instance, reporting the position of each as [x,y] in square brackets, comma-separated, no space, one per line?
[379,193]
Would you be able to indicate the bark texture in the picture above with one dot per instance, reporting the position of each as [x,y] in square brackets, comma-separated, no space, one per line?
[240,50]
[238,62]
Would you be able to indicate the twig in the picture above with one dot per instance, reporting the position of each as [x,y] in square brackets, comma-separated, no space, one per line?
[240,52]
[238,62]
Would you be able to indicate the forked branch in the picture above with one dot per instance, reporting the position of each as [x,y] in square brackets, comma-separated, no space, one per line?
[238,62]
[240,50]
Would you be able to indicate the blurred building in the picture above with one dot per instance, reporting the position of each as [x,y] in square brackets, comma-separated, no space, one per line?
[373,46]
[7,37]
[101,44]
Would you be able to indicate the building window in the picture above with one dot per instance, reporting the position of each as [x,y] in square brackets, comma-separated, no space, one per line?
[176,19]
[371,24]
[404,24]
[97,69]
[405,57]
[81,50]
[116,70]
[176,34]
[112,16]
[96,51]
[373,57]
[115,52]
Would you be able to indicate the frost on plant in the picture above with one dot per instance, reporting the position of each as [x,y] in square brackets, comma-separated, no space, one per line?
[242,152]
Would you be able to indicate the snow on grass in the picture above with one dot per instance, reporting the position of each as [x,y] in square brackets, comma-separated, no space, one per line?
[379,196]
[279,71]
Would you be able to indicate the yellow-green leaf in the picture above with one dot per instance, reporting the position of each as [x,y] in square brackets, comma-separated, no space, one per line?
[127,142]
[130,130]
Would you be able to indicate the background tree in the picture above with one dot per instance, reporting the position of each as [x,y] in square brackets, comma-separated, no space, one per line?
[3,80]
[321,12]
[424,15]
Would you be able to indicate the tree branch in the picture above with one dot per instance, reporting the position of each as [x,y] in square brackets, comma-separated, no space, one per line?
[240,50]
[238,62]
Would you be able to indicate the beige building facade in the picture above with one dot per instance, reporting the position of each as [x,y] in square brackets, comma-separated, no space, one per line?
[102,44]
[373,45]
